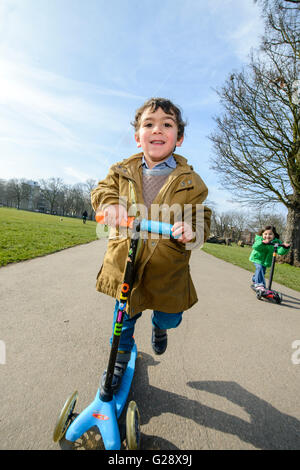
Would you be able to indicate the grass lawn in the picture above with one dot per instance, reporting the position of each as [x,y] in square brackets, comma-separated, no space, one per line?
[25,235]
[284,273]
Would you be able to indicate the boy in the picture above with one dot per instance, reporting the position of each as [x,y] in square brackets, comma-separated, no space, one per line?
[153,178]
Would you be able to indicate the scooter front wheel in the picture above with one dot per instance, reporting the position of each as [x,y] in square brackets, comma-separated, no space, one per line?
[65,417]
[133,433]
[259,294]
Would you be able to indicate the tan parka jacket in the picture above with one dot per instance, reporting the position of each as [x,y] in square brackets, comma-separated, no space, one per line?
[162,276]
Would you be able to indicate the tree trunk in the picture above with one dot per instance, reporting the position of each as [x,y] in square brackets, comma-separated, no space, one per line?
[292,234]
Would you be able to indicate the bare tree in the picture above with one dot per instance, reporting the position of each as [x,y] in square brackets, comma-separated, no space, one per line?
[221,224]
[257,141]
[78,198]
[89,185]
[262,218]
[2,191]
[50,191]
[239,223]
[285,4]
[17,192]
[62,200]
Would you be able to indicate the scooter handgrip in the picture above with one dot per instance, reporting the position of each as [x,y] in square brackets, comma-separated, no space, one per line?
[156,227]
[100,219]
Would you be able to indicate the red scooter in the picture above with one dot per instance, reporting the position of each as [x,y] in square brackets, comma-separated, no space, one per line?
[269,293]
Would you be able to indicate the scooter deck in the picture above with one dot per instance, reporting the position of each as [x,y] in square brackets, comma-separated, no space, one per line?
[105,415]
[268,294]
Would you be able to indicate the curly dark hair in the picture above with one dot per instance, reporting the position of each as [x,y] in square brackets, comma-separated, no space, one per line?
[167,106]
[269,227]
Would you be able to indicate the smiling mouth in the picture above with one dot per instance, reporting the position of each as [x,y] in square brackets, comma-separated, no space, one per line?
[157,142]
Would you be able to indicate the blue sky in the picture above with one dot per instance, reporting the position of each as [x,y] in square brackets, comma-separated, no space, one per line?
[73,72]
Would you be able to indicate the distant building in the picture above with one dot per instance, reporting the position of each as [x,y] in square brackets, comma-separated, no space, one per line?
[247,237]
[34,190]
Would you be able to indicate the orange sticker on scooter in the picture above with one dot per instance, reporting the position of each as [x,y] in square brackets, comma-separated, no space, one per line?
[99,416]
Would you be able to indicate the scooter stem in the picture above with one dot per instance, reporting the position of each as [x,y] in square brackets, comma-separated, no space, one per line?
[106,391]
[272,266]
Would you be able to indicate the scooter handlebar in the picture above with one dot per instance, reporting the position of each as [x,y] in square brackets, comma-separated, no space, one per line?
[275,245]
[152,226]
[156,227]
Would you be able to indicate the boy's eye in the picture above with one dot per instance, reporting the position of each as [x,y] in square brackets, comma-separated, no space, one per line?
[150,124]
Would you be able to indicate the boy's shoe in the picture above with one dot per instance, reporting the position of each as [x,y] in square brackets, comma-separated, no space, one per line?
[260,287]
[119,370]
[159,340]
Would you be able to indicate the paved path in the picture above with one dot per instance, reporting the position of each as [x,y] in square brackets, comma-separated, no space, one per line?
[226,381]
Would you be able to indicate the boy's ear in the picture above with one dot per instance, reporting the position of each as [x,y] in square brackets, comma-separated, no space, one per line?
[137,139]
[179,141]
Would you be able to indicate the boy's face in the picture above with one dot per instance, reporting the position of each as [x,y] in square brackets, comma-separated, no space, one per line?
[157,135]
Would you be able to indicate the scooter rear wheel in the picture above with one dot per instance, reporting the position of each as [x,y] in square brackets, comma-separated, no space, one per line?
[133,434]
[65,417]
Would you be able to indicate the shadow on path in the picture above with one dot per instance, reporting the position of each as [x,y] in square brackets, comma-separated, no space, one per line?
[267,427]
[294,303]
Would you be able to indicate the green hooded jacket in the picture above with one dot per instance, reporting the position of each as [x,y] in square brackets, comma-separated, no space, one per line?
[262,253]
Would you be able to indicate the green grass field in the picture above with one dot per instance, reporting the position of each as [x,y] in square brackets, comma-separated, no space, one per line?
[284,273]
[25,235]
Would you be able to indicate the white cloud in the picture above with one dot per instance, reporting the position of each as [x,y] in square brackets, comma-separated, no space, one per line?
[216,24]
[47,120]
[242,31]
[50,122]
[42,94]
[223,200]
[245,38]
[76,174]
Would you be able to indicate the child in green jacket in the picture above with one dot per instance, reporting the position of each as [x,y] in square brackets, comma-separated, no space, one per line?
[262,252]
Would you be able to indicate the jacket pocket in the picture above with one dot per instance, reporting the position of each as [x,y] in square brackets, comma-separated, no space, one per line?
[116,255]
[187,183]
[175,248]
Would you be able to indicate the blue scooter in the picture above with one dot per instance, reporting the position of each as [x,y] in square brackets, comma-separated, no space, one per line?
[106,408]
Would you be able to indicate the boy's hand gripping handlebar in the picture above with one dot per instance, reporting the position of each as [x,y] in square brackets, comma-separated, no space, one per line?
[145,225]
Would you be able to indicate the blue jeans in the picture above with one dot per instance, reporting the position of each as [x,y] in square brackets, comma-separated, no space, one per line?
[259,275]
[161,320]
